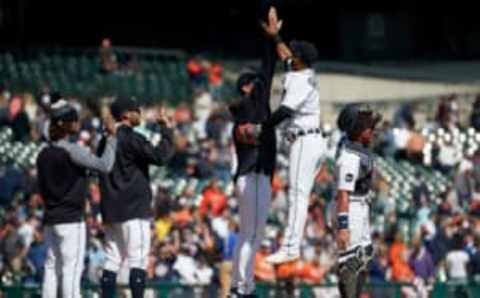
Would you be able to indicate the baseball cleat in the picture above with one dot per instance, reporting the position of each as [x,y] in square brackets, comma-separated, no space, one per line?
[281,257]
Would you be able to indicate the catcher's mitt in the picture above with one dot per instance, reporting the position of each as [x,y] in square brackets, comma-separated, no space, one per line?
[248,133]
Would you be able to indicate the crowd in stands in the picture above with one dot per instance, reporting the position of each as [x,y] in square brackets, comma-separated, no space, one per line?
[195,225]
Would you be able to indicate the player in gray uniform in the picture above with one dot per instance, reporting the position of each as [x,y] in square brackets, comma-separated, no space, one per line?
[354,167]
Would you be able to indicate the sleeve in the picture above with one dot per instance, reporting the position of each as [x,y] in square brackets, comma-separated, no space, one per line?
[268,66]
[158,155]
[348,166]
[295,91]
[84,158]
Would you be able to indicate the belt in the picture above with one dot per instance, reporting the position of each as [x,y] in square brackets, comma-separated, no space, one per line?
[292,135]
[301,132]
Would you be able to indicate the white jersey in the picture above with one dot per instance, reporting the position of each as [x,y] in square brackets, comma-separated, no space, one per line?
[300,93]
[347,170]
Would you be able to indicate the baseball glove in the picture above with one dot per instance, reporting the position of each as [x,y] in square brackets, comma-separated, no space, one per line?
[248,133]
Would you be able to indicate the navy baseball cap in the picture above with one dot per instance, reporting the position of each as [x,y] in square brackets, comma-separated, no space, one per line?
[304,50]
[121,105]
[61,111]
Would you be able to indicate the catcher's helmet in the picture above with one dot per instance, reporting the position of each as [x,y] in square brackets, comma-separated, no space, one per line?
[354,118]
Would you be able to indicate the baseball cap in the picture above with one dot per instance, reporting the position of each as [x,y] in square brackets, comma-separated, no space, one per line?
[304,50]
[121,105]
[62,111]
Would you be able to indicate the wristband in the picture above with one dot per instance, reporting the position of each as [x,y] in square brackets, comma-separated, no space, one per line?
[277,39]
[342,221]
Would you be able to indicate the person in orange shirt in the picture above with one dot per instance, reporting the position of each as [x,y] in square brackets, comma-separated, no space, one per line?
[401,270]
[398,246]
[311,272]
[213,200]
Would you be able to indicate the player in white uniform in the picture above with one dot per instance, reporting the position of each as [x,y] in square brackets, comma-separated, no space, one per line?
[299,114]
[354,174]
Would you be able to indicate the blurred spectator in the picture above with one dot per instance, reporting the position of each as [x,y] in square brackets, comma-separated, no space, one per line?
[449,155]
[12,181]
[475,260]
[108,59]
[421,261]
[420,192]
[264,272]
[457,261]
[197,72]
[404,117]
[228,249]
[464,183]
[15,117]
[401,270]
[12,247]
[215,80]
[185,266]
[213,200]
[475,115]
[37,255]
[440,244]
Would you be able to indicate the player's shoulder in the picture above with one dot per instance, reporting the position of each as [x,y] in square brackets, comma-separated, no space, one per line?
[347,156]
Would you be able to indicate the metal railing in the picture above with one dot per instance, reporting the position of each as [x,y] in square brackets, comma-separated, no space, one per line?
[176,290]
[278,290]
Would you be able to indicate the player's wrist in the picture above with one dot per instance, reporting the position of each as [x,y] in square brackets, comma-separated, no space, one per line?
[342,221]
[277,38]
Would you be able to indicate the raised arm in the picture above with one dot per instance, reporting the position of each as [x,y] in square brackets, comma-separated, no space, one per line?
[158,155]
[86,159]
[272,28]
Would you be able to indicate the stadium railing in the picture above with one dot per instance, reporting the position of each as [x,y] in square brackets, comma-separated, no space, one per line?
[278,290]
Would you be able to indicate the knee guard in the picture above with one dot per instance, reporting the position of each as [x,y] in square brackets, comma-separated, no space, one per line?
[108,284]
[137,282]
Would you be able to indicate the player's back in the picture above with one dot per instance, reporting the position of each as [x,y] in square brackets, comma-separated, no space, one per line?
[125,191]
[63,185]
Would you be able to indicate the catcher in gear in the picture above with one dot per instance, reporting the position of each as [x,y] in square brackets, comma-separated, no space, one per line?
[255,153]
[354,167]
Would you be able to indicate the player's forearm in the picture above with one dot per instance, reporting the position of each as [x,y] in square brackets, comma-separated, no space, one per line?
[342,203]
[283,51]
[282,113]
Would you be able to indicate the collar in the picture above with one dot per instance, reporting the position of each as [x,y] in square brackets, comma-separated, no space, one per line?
[358,147]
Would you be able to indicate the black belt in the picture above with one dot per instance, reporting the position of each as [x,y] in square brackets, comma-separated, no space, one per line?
[301,132]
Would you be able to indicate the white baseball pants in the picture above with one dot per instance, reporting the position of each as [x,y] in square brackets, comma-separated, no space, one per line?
[128,241]
[359,223]
[65,257]
[305,158]
[255,194]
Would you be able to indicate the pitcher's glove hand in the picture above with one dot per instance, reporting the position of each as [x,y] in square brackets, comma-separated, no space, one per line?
[248,133]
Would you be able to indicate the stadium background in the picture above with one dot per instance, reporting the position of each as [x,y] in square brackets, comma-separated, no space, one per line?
[418,68]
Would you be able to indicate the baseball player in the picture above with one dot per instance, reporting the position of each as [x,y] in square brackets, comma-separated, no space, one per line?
[299,114]
[62,177]
[256,162]
[126,204]
[353,172]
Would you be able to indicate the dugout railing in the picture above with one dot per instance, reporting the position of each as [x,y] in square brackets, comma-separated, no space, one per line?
[279,290]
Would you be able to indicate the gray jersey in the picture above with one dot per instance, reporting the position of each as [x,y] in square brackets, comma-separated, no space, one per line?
[354,169]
